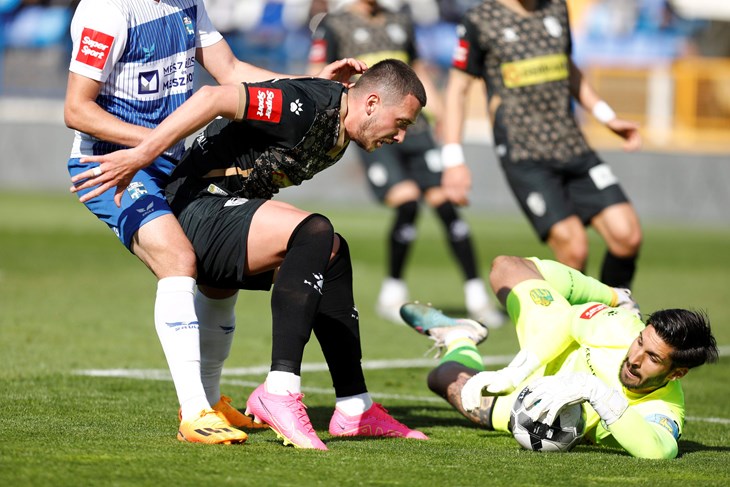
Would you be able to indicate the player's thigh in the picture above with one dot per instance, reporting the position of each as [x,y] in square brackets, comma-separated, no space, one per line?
[271,229]
[163,246]
[539,190]
[383,169]
[218,229]
[620,228]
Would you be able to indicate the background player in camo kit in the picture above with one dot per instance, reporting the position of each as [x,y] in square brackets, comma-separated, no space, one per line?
[400,175]
[522,50]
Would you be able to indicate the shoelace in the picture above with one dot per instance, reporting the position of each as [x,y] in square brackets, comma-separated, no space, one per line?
[390,418]
[300,411]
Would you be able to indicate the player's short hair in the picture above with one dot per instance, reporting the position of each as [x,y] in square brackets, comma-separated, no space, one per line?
[394,79]
[688,333]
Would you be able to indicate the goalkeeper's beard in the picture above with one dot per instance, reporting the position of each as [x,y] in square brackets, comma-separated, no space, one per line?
[632,380]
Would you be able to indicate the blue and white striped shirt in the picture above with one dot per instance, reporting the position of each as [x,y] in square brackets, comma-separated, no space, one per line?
[143,51]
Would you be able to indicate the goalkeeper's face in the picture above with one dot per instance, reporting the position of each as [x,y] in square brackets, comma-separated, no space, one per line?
[648,363]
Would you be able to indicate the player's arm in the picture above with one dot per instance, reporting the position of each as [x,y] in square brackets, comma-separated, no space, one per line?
[645,439]
[82,113]
[222,64]
[118,168]
[456,178]
[630,429]
[435,107]
[591,101]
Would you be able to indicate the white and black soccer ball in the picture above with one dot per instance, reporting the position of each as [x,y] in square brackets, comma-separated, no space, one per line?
[566,431]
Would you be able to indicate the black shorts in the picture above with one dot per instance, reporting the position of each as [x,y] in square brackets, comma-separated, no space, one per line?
[218,229]
[549,192]
[417,159]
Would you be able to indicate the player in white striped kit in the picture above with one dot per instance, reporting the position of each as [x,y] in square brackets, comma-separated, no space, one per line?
[132,64]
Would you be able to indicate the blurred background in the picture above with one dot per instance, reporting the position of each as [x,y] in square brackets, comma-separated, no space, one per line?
[664,63]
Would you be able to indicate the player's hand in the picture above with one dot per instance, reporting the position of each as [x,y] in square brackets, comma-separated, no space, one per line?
[551,395]
[115,169]
[343,70]
[629,131]
[456,183]
[483,384]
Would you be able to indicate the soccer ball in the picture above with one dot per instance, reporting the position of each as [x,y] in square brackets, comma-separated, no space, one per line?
[566,431]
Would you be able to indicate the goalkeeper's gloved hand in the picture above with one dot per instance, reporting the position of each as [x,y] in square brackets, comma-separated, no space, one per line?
[498,382]
[550,395]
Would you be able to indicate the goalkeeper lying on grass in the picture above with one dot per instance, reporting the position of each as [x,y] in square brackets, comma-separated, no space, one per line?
[580,342]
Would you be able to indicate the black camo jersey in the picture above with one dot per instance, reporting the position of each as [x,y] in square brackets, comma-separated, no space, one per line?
[525,62]
[288,128]
[347,34]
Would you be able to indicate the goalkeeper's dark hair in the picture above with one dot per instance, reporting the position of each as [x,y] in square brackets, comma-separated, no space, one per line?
[394,79]
[688,333]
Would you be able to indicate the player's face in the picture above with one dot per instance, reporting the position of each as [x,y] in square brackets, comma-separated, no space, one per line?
[387,124]
[647,365]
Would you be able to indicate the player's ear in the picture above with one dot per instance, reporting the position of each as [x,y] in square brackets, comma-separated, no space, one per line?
[371,103]
[678,373]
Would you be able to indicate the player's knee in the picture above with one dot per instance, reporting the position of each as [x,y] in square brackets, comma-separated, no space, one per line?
[315,229]
[626,243]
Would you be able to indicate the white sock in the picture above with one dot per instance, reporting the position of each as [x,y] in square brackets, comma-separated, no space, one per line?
[354,405]
[475,293]
[457,334]
[282,383]
[177,328]
[217,324]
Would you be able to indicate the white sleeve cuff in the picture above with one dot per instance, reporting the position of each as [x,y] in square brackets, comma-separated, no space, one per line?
[603,112]
[452,155]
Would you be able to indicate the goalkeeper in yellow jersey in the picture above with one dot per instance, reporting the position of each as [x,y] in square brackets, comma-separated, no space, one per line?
[581,341]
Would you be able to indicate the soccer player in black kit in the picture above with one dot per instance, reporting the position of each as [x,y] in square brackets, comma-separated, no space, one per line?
[522,51]
[401,175]
[273,135]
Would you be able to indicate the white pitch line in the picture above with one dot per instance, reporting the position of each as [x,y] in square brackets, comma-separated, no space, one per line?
[261,370]
[162,374]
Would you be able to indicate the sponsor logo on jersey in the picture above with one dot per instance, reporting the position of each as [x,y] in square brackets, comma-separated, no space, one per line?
[543,297]
[461,52]
[591,311]
[296,107]
[318,51]
[264,104]
[94,49]
[148,82]
[542,69]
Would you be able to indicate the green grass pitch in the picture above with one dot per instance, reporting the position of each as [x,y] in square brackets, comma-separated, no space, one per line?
[72,299]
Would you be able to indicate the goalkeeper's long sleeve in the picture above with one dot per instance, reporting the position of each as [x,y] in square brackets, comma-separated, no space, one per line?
[641,438]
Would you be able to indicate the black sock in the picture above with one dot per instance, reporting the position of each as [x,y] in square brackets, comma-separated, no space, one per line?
[618,271]
[459,236]
[297,291]
[337,326]
[402,234]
